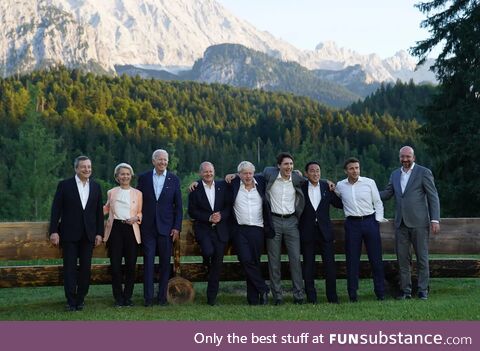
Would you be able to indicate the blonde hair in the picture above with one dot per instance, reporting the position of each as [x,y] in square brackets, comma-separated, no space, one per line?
[120,166]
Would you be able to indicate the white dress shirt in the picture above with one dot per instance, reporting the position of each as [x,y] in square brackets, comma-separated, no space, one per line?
[210,192]
[83,190]
[282,196]
[248,207]
[314,194]
[405,176]
[361,198]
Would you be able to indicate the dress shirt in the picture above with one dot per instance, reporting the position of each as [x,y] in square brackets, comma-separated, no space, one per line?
[158,182]
[282,196]
[361,198]
[248,207]
[122,204]
[210,192]
[405,176]
[314,194]
[83,190]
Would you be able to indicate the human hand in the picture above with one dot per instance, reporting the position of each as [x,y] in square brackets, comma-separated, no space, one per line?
[230,177]
[175,234]
[98,240]
[192,186]
[54,239]
[435,227]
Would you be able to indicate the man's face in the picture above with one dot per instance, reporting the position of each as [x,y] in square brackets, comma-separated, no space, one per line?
[160,162]
[313,174]
[353,171]
[286,167]
[407,157]
[246,176]
[207,173]
[84,169]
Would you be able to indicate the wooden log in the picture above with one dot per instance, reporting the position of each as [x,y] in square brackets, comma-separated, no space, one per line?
[23,276]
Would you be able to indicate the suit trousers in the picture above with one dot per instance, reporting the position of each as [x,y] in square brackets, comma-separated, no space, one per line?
[418,238]
[152,243]
[76,283]
[213,250]
[327,251]
[249,241]
[287,229]
[122,243]
[368,231]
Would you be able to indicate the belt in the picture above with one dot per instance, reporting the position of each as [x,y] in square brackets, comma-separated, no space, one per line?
[121,221]
[283,215]
[361,218]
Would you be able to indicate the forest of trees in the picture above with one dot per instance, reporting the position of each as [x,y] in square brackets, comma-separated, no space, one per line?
[47,118]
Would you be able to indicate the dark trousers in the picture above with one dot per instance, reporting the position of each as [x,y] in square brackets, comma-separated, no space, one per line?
[368,231]
[327,251]
[76,282]
[122,243]
[249,242]
[213,250]
[153,242]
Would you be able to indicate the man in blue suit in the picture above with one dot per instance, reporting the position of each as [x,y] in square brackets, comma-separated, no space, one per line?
[252,224]
[161,223]
[209,206]
[76,224]
[316,233]
[417,212]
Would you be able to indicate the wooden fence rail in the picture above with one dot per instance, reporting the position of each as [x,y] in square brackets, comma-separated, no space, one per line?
[27,241]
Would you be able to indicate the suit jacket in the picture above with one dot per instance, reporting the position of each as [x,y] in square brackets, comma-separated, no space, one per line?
[136,201]
[267,213]
[310,217]
[271,173]
[69,219]
[199,210]
[165,214]
[419,203]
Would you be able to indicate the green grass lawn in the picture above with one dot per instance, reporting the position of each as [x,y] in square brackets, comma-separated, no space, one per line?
[450,299]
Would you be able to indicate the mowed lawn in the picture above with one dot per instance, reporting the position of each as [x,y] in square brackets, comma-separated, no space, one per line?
[450,299]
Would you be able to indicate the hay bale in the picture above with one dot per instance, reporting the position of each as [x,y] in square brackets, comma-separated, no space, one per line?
[179,291]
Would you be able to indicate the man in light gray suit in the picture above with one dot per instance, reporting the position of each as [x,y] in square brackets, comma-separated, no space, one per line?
[417,212]
[285,197]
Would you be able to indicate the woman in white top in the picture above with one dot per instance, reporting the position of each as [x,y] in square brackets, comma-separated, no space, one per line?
[122,232]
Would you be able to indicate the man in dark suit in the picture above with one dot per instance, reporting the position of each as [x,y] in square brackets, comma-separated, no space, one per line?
[252,223]
[417,210]
[316,232]
[209,206]
[76,223]
[161,223]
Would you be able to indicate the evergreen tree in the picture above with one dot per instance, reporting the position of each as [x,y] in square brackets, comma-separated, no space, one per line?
[452,130]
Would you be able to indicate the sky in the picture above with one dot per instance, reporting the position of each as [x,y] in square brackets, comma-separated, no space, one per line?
[366,26]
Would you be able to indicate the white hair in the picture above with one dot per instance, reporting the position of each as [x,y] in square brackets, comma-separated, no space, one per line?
[245,165]
[159,151]
[120,166]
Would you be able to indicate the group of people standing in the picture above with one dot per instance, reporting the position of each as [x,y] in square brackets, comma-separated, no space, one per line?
[278,205]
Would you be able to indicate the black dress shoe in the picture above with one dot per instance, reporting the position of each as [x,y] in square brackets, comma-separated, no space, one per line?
[404,296]
[70,308]
[118,304]
[353,299]
[162,303]
[211,302]
[422,295]
[128,303]
[263,298]
[148,303]
[312,301]
[278,302]
[298,301]
[80,306]
[381,298]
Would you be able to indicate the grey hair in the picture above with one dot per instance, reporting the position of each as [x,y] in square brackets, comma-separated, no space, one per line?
[245,165]
[79,159]
[407,147]
[120,166]
[204,163]
[159,151]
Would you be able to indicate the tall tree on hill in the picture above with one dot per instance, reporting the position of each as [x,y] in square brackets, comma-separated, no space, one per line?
[33,173]
[452,131]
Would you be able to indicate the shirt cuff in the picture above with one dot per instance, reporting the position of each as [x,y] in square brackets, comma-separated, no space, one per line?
[434,221]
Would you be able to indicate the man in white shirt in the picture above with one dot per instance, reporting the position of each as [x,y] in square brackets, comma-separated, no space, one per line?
[363,211]
[209,205]
[251,225]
